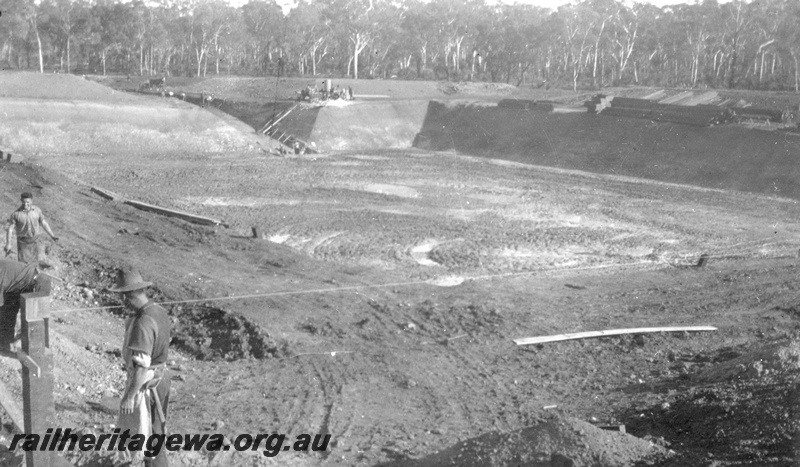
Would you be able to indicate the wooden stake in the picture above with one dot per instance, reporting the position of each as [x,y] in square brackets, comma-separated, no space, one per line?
[37,392]
[609,332]
[36,357]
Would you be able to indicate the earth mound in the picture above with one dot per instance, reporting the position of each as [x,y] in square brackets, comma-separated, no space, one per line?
[211,333]
[55,114]
[23,84]
[776,357]
[555,441]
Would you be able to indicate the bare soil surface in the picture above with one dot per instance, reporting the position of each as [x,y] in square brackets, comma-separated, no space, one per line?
[380,301]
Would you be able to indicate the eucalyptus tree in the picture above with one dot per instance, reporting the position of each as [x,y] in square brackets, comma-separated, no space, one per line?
[14,29]
[455,21]
[418,37]
[36,18]
[605,13]
[510,40]
[788,35]
[69,18]
[736,22]
[159,41]
[655,51]
[384,44]
[310,34]
[354,24]
[764,29]
[111,27]
[263,22]
[574,29]
[209,21]
[625,37]
[232,44]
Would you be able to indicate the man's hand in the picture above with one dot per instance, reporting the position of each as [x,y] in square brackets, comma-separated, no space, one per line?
[7,249]
[126,405]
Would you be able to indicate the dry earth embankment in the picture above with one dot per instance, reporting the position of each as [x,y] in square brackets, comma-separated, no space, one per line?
[65,114]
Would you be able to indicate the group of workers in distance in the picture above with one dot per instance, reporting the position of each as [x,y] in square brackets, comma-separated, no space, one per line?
[326,93]
[145,346]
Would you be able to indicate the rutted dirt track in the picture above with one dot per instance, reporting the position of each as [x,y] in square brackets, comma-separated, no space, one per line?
[387,286]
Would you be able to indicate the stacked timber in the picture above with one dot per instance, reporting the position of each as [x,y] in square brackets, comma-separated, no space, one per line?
[516,104]
[703,99]
[698,115]
[632,103]
[677,98]
[543,106]
[598,103]
[615,111]
[756,114]
[525,104]
[656,95]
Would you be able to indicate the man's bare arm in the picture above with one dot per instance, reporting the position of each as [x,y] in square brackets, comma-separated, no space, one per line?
[9,230]
[46,228]
[135,382]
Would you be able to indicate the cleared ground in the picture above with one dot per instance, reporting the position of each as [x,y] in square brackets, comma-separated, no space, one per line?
[384,294]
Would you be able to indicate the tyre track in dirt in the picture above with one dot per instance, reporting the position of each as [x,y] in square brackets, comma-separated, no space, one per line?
[425,342]
[299,400]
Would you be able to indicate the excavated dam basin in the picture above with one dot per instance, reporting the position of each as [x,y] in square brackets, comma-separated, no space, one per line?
[386,272]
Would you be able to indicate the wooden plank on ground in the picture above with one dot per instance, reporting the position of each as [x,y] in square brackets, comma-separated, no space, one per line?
[609,332]
[705,98]
[656,95]
[569,110]
[12,409]
[677,98]
[106,194]
[173,213]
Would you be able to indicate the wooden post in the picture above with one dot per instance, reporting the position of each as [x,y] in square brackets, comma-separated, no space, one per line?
[37,376]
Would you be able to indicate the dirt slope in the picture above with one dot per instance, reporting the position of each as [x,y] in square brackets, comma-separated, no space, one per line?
[30,85]
[365,125]
[73,115]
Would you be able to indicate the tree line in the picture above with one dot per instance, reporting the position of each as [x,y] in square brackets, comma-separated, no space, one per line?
[594,43]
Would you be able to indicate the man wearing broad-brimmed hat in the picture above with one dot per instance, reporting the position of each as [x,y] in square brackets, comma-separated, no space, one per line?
[28,222]
[143,408]
[15,279]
